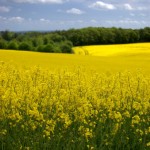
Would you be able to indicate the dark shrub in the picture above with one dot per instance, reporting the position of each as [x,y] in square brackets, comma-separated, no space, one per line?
[3,44]
[66,47]
[13,45]
[25,46]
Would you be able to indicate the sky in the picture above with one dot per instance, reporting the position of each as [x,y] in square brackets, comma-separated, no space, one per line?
[48,15]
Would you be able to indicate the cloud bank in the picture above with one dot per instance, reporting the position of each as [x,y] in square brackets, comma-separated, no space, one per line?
[102,5]
[75,11]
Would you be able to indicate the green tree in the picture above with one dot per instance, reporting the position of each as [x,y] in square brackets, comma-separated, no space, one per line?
[25,46]
[45,40]
[57,49]
[49,48]
[145,34]
[13,45]
[3,44]
[7,35]
[56,37]
[36,41]
[66,47]
[40,48]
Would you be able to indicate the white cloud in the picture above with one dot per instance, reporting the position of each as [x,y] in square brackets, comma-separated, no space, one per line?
[3,18]
[11,19]
[4,9]
[128,7]
[93,21]
[75,11]
[124,22]
[141,8]
[80,21]
[40,1]
[128,21]
[44,20]
[102,5]
[16,19]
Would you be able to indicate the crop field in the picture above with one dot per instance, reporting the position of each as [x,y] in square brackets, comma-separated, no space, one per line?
[76,102]
[114,50]
[131,57]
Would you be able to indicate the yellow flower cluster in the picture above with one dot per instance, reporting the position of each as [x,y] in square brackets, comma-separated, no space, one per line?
[43,109]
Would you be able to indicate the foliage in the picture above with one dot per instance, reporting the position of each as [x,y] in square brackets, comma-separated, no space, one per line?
[3,44]
[13,45]
[66,47]
[77,37]
[7,35]
[47,109]
[25,46]
[40,48]
[49,48]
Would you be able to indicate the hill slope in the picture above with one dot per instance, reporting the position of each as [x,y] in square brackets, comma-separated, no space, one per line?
[119,57]
[111,50]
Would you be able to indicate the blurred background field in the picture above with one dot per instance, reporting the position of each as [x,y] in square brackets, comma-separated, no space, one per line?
[110,58]
[114,50]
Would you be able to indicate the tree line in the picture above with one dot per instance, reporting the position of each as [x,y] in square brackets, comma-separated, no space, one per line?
[35,41]
[63,41]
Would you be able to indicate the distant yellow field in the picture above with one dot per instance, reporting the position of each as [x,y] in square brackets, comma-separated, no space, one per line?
[111,58]
[113,50]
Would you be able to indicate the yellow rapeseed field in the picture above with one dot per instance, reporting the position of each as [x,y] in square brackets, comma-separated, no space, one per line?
[114,50]
[73,102]
[131,57]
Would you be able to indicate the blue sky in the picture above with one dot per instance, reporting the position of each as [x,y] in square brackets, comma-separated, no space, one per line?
[24,15]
